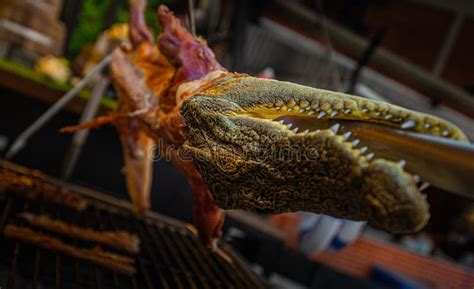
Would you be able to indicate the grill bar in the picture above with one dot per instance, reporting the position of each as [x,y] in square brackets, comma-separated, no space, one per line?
[212,264]
[36,270]
[193,266]
[11,277]
[58,271]
[156,267]
[164,255]
[170,256]
[174,253]
[6,211]
[197,256]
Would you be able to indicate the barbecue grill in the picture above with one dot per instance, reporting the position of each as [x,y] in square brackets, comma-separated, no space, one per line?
[170,254]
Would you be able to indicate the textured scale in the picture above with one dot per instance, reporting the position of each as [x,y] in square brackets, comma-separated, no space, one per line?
[222,131]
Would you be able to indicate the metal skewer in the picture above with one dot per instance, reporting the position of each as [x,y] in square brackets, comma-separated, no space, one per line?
[80,136]
[22,139]
[192,21]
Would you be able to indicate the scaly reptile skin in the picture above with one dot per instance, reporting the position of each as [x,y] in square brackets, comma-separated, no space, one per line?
[222,131]
[248,161]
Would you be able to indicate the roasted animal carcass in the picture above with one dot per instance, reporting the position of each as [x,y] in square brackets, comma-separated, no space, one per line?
[226,132]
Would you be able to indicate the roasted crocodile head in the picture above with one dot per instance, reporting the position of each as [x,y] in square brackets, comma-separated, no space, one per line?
[241,135]
[252,157]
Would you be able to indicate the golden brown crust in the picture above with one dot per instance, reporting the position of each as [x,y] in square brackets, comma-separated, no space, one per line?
[117,239]
[96,255]
[36,189]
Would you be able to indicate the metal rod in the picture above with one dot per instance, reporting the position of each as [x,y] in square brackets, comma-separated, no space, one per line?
[364,60]
[153,257]
[80,137]
[448,44]
[197,256]
[165,254]
[58,271]
[11,276]
[37,269]
[21,141]
[206,256]
[176,239]
[5,213]
[176,256]
[192,21]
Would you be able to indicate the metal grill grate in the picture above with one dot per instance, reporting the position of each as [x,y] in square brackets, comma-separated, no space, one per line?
[170,254]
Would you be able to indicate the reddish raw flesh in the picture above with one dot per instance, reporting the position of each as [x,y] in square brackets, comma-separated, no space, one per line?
[179,57]
[146,78]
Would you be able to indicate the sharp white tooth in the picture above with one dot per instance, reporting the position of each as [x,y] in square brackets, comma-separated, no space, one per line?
[290,109]
[295,130]
[347,111]
[402,163]
[321,114]
[335,127]
[347,135]
[334,113]
[289,125]
[318,130]
[416,178]
[424,186]
[427,125]
[302,110]
[365,110]
[445,133]
[363,150]
[311,112]
[355,142]
[281,121]
[408,124]
[306,131]
[370,156]
[377,113]
[388,116]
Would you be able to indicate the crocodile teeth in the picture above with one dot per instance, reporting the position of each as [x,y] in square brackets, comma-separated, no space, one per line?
[289,125]
[355,142]
[388,116]
[445,133]
[281,121]
[365,110]
[402,163]
[363,150]
[334,113]
[370,156]
[335,127]
[295,130]
[311,112]
[306,131]
[416,178]
[408,124]
[424,186]
[290,109]
[347,111]
[427,125]
[302,110]
[346,135]
[321,114]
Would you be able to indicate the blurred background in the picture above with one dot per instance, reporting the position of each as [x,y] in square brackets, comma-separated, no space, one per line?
[415,53]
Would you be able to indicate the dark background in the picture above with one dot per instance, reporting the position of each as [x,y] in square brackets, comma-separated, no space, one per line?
[101,161]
